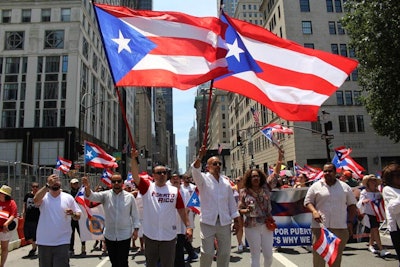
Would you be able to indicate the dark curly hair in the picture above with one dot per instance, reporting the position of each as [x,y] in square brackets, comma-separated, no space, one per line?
[389,172]
[247,177]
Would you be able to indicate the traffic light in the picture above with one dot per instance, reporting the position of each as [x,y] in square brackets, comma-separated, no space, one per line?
[141,153]
[239,140]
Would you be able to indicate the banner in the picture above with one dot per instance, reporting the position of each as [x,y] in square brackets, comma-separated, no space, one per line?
[92,229]
[292,218]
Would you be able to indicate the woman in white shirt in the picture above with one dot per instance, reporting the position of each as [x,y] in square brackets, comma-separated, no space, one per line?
[391,195]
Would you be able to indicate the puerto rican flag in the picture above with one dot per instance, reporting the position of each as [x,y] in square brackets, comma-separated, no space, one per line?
[81,200]
[194,202]
[4,214]
[342,152]
[256,116]
[289,79]
[95,156]
[327,246]
[163,49]
[106,177]
[348,163]
[378,206]
[63,165]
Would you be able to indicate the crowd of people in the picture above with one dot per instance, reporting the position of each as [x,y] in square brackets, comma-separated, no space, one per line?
[336,202]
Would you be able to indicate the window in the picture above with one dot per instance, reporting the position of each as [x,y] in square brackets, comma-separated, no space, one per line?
[343,50]
[354,75]
[332,27]
[26,15]
[65,14]
[9,118]
[14,40]
[357,98]
[352,53]
[45,151]
[309,45]
[6,16]
[304,5]
[338,6]
[306,27]
[352,124]
[360,123]
[340,28]
[329,6]
[349,98]
[52,64]
[46,13]
[339,98]
[54,39]
[335,49]
[316,125]
[342,124]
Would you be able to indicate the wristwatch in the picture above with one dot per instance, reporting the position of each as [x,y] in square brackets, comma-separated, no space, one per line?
[47,185]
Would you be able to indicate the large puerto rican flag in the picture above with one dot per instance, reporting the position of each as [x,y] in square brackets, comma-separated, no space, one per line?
[291,80]
[167,49]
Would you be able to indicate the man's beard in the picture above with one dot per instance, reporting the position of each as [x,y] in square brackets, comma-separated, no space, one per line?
[55,187]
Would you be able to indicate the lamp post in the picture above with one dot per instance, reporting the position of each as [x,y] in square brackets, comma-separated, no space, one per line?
[327,127]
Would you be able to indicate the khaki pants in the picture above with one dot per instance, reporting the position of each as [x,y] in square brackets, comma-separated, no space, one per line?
[343,234]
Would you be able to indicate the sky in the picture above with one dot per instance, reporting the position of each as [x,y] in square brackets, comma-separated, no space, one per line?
[183,101]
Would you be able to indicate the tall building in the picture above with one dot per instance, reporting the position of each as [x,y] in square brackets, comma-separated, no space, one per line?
[314,24]
[191,149]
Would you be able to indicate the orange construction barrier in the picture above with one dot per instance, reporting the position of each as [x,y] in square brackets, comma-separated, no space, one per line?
[20,230]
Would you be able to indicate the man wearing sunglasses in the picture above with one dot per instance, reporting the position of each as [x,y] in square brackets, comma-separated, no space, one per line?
[218,208]
[121,218]
[160,203]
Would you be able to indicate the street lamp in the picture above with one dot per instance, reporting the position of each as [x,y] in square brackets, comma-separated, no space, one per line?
[327,137]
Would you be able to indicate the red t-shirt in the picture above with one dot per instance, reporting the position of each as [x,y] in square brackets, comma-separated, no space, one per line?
[8,206]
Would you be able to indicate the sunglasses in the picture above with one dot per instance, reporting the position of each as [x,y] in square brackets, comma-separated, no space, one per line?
[116,181]
[161,172]
[216,163]
[35,186]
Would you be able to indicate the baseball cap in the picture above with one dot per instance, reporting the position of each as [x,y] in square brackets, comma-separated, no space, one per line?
[347,174]
[73,181]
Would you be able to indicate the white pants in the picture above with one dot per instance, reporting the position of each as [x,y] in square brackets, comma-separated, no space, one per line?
[260,238]
[223,235]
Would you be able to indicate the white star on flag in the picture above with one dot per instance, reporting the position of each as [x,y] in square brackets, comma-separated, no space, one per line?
[122,43]
[234,50]
[194,201]
[89,154]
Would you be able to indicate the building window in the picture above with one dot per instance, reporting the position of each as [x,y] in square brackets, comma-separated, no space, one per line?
[354,75]
[343,50]
[45,151]
[316,125]
[65,14]
[54,39]
[332,27]
[6,16]
[349,98]
[338,6]
[352,53]
[357,98]
[306,27]
[9,118]
[85,48]
[50,118]
[329,6]
[340,28]
[309,45]
[351,123]
[304,5]
[360,123]
[26,15]
[46,15]
[14,40]
[342,124]
[335,49]
[339,98]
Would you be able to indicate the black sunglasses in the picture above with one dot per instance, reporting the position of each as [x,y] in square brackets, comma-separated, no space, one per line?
[161,172]
[217,164]
[116,181]
[35,186]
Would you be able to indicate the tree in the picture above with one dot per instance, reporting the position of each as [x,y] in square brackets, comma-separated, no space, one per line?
[374,29]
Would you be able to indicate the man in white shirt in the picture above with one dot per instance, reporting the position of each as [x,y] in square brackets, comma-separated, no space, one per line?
[121,218]
[218,208]
[57,208]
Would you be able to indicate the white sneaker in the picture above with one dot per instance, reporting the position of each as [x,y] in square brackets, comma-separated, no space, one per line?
[372,249]
[240,248]
[384,253]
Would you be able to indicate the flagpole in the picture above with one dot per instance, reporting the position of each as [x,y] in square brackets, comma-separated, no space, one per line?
[121,105]
[208,114]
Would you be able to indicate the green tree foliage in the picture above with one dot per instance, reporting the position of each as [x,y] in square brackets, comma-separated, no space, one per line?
[374,29]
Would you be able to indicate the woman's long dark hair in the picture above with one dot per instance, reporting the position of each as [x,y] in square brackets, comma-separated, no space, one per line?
[247,177]
[388,173]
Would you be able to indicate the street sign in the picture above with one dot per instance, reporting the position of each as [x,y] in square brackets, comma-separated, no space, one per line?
[327,136]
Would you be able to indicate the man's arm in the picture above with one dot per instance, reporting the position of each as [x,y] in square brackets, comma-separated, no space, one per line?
[202,153]
[37,199]
[86,184]
[135,166]
[315,214]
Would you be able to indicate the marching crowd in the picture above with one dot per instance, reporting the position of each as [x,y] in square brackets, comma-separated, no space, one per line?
[336,202]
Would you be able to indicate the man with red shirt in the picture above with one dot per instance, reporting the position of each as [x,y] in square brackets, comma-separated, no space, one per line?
[160,201]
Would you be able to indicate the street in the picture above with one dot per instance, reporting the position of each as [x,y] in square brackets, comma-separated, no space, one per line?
[355,255]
